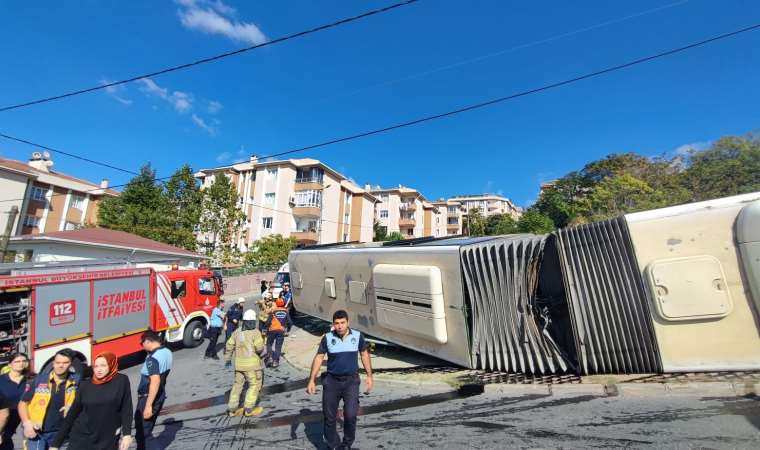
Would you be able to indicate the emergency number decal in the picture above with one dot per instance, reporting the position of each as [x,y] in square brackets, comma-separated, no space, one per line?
[62,312]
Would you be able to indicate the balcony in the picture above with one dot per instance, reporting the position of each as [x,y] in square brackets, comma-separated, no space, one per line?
[305,237]
[453,214]
[452,226]
[407,222]
[306,211]
[408,206]
[308,183]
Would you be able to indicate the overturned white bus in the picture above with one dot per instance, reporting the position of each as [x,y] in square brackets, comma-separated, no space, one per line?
[668,290]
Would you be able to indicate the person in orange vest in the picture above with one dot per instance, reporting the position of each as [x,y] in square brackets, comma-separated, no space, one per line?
[277,323]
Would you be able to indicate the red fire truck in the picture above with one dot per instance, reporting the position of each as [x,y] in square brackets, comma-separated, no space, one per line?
[95,310]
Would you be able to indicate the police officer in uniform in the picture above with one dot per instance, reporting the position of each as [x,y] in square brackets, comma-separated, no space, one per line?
[246,346]
[341,381]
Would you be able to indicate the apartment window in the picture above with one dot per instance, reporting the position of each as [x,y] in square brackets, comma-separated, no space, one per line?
[38,193]
[310,198]
[410,232]
[383,213]
[269,199]
[452,209]
[384,197]
[31,221]
[345,237]
[77,202]
[267,222]
[306,225]
[310,175]
[272,172]
[453,221]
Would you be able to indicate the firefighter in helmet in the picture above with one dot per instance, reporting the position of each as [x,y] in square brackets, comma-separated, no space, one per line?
[245,346]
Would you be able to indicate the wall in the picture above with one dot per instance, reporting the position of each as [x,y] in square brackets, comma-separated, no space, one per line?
[246,283]
[13,186]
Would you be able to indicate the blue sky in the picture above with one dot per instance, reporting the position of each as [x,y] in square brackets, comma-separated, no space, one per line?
[386,69]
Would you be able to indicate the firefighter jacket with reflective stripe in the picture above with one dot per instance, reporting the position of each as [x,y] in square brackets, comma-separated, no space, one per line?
[244,347]
[278,320]
[38,406]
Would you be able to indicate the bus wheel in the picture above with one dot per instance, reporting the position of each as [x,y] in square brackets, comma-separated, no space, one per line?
[193,336]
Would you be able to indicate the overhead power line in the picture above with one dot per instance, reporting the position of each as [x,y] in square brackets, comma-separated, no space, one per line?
[72,155]
[485,103]
[213,58]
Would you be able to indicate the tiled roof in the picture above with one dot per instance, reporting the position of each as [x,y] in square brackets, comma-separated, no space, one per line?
[108,238]
[26,168]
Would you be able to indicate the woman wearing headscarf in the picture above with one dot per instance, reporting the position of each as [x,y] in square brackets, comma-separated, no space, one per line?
[12,385]
[101,416]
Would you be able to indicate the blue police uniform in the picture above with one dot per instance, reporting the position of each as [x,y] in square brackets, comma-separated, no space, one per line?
[214,329]
[158,362]
[341,382]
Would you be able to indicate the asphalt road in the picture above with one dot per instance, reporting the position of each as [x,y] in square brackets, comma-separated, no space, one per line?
[409,416]
[436,416]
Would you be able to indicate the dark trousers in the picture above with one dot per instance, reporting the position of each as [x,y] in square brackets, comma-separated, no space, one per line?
[230,329]
[10,429]
[144,427]
[276,338]
[213,336]
[335,388]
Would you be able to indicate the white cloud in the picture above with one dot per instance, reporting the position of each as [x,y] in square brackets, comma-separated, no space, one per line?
[182,102]
[222,157]
[200,123]
[115,92]
[685,149]
[214,107]
[215,17]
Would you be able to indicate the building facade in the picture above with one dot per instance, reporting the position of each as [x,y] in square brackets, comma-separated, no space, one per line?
[303,198]
[451,213]
[47,200]
[405,210]
[489,204]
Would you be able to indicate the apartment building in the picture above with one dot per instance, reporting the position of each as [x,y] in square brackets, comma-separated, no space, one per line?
[47,200]
[451,214]
[405,210]
[489,204]
[303,198]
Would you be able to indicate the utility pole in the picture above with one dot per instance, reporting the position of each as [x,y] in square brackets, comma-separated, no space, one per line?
[321,205]
[6,237]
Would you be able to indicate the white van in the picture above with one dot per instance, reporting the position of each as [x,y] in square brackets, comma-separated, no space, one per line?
[282,277]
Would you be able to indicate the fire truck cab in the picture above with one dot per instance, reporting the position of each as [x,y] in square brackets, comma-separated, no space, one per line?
[92,310]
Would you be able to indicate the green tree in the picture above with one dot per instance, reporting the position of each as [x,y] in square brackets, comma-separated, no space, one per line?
[474,223]
[534,221]
[270,251]
[380,232]
[500,224]
[622,194]
[394,236]
[730,166]
[220,220]
[184,197]
[141,208]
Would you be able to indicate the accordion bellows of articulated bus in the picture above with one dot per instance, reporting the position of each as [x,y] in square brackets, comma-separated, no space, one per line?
[668,290]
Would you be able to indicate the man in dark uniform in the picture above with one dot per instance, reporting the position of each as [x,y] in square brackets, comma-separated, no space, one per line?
[341,381]
[151,391]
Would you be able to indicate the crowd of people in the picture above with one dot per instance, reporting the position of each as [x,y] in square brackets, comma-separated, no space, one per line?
[63,405]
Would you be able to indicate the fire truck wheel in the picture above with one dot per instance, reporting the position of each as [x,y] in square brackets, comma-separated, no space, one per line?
[193,336]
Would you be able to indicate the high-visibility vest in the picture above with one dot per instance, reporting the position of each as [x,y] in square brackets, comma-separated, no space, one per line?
[278,315]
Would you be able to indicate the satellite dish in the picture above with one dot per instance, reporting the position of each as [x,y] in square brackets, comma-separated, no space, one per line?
[46,155]
[36,155]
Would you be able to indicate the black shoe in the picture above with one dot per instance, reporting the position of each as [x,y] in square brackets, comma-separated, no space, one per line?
[214,357]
